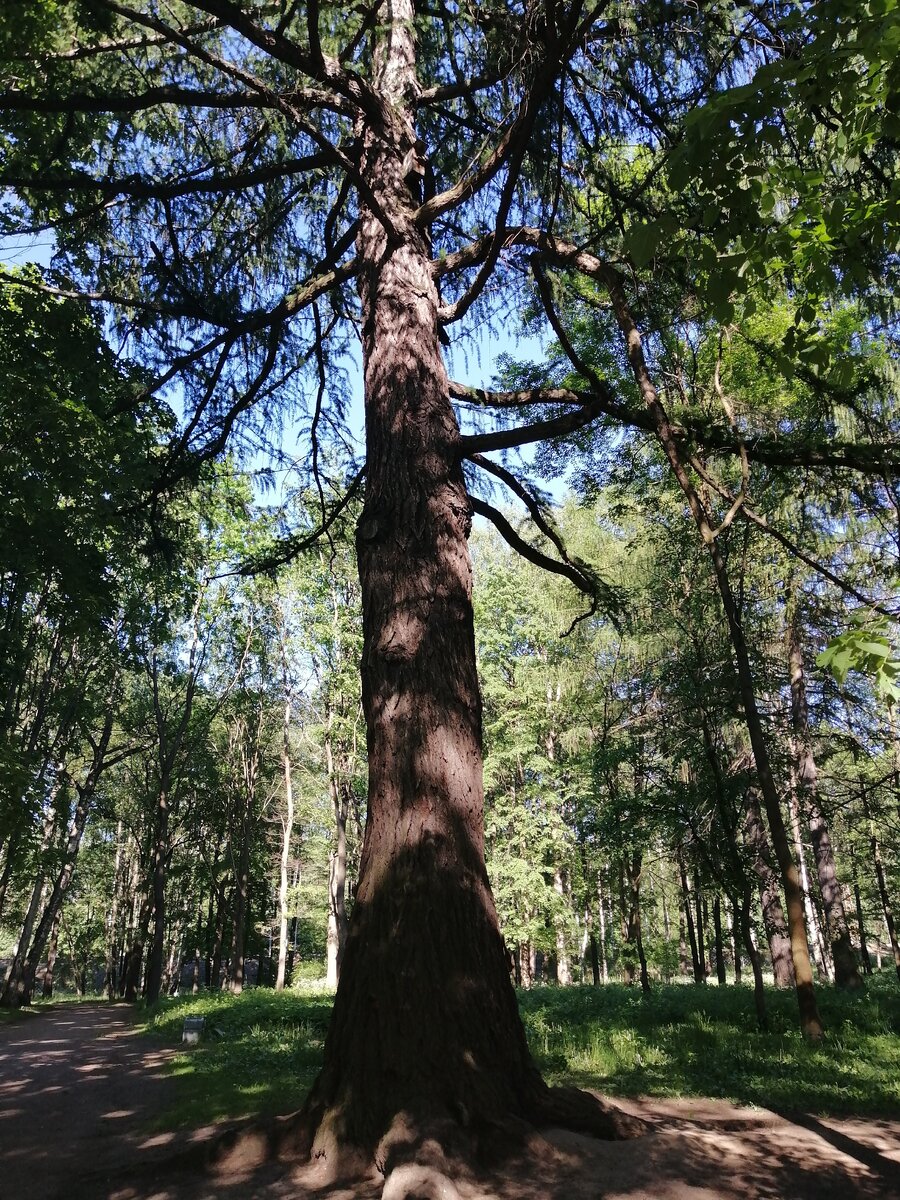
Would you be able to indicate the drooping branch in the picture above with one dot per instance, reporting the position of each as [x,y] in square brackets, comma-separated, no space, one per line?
[288,548]
[568,570]
[535,509]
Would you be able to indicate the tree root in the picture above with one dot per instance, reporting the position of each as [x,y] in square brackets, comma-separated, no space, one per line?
[584,1112]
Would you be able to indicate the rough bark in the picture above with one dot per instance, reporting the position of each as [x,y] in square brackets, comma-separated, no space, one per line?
[773,913]
[846,966]
[425,1021]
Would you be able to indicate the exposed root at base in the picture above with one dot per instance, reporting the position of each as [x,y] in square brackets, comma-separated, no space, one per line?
[583,1112]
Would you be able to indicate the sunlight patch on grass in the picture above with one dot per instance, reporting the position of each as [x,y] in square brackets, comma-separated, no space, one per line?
[261,1050]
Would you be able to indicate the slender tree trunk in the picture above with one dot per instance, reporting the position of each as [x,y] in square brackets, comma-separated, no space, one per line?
[8,863]
[85,792]
[287,833]
[634,935]
[860,920]
[14,992]
[563,969]
[736,942]
[719,945]
[814,929]
[846,967]
[52,952]
[701,928]
[773,913]
[160,865]
[604,961]
[215,977]
[810,1022]
[337,869]
[759,991]
[689,920]
[878,863]
[240,907]
[139,941]
[112,920]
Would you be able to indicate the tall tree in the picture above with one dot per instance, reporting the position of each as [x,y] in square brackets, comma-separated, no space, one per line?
[209,171]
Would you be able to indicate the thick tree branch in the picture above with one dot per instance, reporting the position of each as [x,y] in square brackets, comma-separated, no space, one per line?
[507,439]
[129,102]
[139,188]
[534,507]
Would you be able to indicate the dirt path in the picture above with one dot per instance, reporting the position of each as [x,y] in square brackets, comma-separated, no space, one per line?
[78,1088]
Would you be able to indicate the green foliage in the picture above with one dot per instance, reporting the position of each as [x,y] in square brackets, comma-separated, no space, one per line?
[868,649]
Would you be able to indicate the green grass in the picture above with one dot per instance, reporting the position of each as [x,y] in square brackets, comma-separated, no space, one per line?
[261,1051]
[259,1054]
[685,1040]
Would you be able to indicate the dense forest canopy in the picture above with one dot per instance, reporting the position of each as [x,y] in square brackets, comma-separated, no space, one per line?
[695,206]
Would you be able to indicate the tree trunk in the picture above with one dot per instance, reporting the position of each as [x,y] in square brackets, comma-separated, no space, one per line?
[601,914]
[8,863]
[287,833]
[337,867]
[633,928]
[52,951]
[112,921]
[813,926]
[846,967]
[15,992]
[736,942]
[719,946]
[160,864]
[701,928]
[810,1022]
[425,1021]
[878,863]
[689,920]
[863,946]
[759,991]
[773,913]
[132,974]
[563,969]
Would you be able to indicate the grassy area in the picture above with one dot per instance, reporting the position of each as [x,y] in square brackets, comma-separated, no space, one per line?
[702,1041]
[261,1050]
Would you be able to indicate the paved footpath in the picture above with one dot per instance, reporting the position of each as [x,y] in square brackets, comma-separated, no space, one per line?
[78,1088]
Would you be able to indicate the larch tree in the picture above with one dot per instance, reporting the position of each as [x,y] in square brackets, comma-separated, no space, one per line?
[247,184]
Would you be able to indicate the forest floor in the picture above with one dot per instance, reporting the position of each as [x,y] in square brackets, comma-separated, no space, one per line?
[80,1091]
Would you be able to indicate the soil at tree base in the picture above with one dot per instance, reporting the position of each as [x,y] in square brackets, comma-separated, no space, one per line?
[78,1087]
